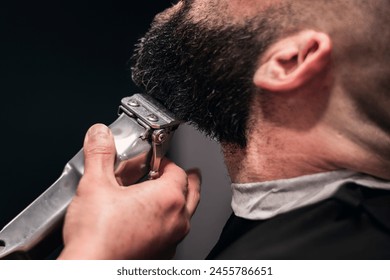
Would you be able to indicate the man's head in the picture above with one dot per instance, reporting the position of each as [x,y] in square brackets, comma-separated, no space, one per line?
[233,66]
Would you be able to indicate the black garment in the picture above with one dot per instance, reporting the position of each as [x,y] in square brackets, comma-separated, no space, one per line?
[353,224]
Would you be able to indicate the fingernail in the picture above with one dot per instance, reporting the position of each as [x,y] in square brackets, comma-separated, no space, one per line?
[98,129]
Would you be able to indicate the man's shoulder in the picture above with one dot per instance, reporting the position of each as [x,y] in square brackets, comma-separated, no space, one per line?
[352,224]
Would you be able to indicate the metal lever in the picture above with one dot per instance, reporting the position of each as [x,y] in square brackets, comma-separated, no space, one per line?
[142,134]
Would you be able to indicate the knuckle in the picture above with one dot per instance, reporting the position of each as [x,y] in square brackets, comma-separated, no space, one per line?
[177,202]
[182,178]
[181,183]
[180,225]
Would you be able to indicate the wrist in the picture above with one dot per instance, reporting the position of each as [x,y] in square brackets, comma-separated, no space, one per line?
[86,250]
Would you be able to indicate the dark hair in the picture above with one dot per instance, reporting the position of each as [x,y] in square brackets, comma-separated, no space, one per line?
[204,74]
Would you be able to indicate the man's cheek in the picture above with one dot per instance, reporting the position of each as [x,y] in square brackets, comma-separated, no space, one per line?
[167,15]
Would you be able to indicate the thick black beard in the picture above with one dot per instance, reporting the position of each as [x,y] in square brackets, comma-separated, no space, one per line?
[202,75]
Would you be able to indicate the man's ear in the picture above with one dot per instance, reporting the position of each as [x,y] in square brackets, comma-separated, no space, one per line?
[293,61]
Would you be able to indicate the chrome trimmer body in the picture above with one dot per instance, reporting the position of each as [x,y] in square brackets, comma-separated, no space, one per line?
[142,134]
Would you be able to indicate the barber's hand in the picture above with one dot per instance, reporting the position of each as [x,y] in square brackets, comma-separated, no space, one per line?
[143,221]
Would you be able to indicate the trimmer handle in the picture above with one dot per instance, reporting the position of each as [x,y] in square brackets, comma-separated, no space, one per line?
[142,134]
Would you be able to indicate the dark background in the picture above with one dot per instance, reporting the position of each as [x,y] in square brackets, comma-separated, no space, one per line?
[64,67]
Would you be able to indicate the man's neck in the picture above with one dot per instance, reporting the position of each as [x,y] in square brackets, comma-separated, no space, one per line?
[288,154]
[270,157]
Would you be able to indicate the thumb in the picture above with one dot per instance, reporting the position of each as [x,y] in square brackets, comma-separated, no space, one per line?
[99,151]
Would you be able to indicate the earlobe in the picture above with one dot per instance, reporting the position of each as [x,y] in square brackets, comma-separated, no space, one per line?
[293,61]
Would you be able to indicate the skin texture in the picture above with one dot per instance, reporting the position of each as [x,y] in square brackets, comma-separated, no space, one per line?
[142,221]
[299,89]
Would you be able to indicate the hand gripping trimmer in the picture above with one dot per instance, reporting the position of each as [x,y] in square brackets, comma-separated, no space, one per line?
[142,134]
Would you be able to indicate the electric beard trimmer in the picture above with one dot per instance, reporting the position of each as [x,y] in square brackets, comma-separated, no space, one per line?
[142,135]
